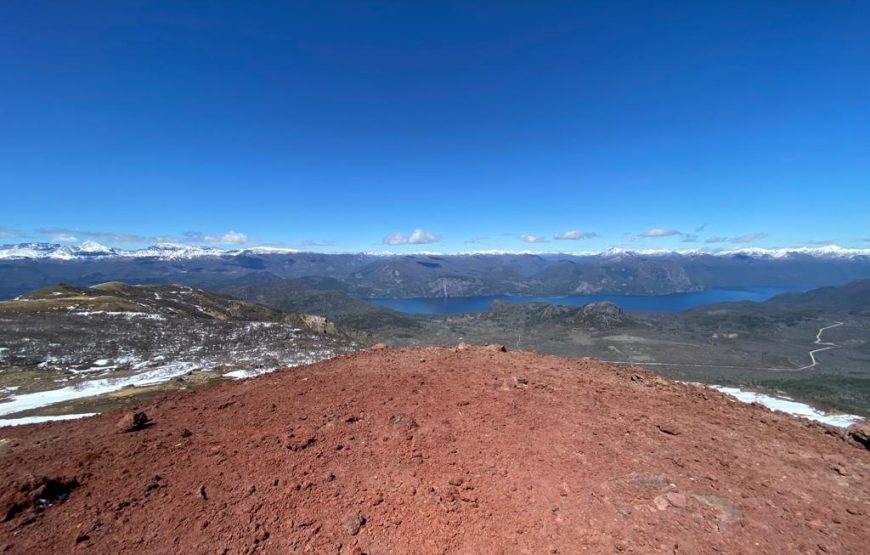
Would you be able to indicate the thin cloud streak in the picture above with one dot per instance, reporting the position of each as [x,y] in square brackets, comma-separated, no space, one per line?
[749,238]
[71,235]
[574,235]
[660,232]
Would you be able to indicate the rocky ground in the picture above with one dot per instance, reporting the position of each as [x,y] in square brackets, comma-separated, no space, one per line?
[437,450]
[71,350]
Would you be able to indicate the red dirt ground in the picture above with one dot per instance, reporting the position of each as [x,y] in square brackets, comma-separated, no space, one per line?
[438,451]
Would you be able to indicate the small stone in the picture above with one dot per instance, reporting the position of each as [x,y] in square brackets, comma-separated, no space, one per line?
[496,347]
[860,433]
[201,492]
[261,536]
[300,443]
[378,347]
[353,522]
[842,471]
[669,429]
[677,499]
[132,422]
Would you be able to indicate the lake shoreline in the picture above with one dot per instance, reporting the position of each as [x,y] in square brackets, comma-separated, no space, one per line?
[669,302]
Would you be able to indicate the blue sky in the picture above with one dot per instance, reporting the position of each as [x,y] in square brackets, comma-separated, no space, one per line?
[436,125]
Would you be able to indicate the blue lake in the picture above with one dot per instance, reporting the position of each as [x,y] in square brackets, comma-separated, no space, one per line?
[674,302]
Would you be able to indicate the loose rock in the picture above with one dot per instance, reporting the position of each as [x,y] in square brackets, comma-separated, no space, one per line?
[353,522]
[132,422]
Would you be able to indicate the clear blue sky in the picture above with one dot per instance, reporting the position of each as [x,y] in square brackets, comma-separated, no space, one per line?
[346,126]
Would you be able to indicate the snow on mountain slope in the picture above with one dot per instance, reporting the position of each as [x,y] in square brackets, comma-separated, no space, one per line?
[175,251]
[92,249]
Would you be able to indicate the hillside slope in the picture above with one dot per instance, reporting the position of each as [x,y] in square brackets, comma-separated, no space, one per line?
[67,349]
[438,450]
[852,297]
[165,300]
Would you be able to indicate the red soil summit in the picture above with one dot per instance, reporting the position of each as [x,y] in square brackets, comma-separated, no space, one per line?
[437,450]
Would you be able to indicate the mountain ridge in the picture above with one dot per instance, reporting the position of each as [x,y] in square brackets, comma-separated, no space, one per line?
[30,266]
[176,251]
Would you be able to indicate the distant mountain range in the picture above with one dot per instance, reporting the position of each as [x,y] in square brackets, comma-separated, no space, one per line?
[91,249]
[27,266]
[177,251]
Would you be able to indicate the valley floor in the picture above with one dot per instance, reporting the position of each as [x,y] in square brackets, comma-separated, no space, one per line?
[724,346]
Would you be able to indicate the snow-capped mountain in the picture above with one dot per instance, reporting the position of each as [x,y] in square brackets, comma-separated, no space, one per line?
[615,271]
[180,251]
[92,249]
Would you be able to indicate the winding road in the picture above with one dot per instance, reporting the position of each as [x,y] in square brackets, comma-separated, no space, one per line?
[813,362]
[820,342]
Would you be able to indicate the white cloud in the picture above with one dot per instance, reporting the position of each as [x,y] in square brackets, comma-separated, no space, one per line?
[313,243]
[534,239]
[6,233]
[64,237]
[230,237]
[749,237]
[234,237]
[74,235]
[574,235]
[417,237]
[109,236]
[660,232]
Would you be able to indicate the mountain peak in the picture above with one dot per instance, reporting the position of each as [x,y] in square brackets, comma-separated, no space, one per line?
[92,247]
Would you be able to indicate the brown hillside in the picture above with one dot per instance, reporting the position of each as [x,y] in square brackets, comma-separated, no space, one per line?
[437,451]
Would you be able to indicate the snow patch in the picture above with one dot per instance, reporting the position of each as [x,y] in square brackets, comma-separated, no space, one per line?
[790,407]
[29,401]
[40,419]
[128,315]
